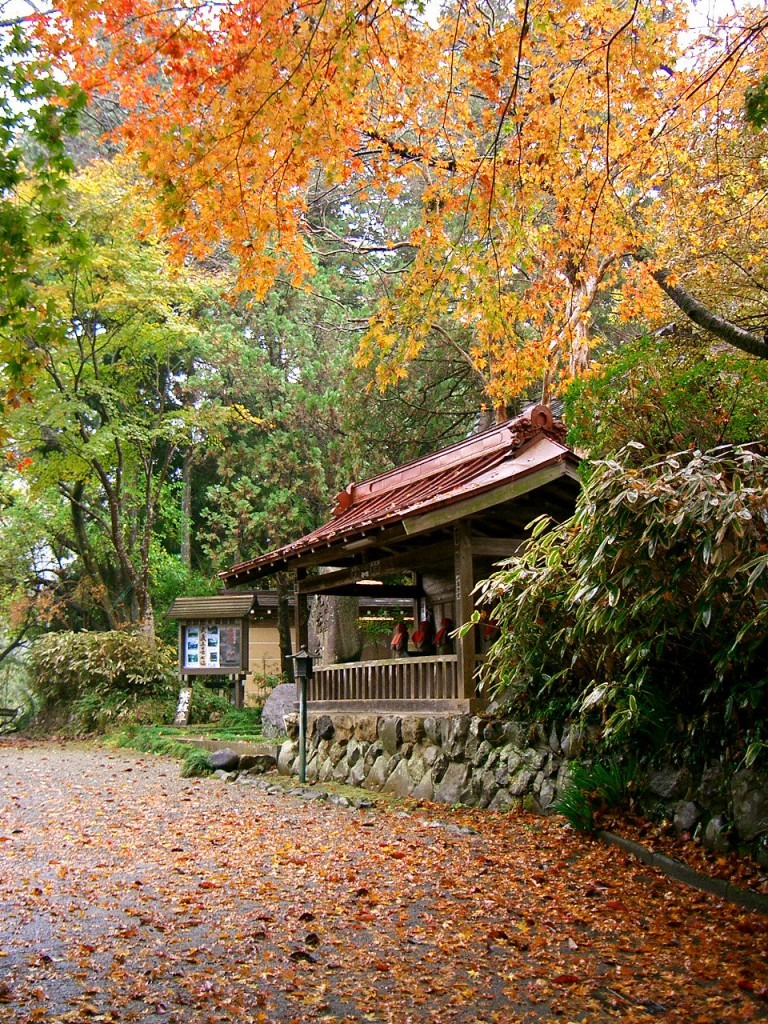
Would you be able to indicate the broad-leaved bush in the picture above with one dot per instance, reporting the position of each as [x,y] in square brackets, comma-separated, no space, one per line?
[103,677]
[646,612]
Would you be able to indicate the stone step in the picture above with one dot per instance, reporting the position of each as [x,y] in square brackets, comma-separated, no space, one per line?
[236,746]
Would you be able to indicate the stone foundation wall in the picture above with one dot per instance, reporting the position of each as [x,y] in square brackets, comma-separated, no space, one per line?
[484,762]
[455,760]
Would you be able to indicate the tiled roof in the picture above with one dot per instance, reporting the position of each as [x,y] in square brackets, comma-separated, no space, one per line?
[480,463]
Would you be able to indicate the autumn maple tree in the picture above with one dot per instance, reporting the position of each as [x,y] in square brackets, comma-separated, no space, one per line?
[556,152]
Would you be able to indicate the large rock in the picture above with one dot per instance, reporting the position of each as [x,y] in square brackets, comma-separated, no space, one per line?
[366,728]
[712,792]
[455,733]
[481,754]
[750,804]
[514,734]
[493,733]
[413,729]
[510,756]
[546,793]
[416,766]
[424,790]
[686,816]
[535,757]
[357,773]
[456,785]
[488,787]
[522,782]
[399,783]
[372,754]
[433,727]
[717,835]
[312,767]
[502,801]
[391,734]
[344,726]
[378,774]
[224,760]
[436,761]
[323,730]
[474,738]
[287,756]
[554,740]
[280,702]
[337,752]
[354,753]
[670,784]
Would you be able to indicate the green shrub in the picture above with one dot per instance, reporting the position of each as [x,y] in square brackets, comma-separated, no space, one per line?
[207,705]
[646,612]
[668,393]
[103,678]
[242,721]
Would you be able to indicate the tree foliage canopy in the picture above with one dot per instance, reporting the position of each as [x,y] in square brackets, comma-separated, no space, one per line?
[120,360]
[38,113]
[668,393]
[552,151]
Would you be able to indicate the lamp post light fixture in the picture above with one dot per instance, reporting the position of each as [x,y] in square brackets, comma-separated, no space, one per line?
[302,671]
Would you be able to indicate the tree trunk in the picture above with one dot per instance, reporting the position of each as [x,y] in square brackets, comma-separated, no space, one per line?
[284,625]
[90,563]
[334,633]
[186,512]
[574,336]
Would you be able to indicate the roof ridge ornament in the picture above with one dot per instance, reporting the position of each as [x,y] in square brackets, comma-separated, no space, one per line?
[541,417]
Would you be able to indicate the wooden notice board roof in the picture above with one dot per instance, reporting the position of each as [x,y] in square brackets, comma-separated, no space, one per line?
[218,607]
[527,451]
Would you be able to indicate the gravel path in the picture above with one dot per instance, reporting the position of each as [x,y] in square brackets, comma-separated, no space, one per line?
[131,894]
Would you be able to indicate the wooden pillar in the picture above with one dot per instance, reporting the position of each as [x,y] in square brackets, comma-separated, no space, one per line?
[302,628]
[465,605]
[416,578]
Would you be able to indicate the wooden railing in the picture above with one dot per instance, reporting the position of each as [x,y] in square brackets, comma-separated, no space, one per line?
[427,678]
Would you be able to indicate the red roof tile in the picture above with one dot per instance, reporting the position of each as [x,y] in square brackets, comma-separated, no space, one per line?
[480,463]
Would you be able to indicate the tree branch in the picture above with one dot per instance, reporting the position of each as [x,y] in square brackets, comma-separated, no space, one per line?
[747,341]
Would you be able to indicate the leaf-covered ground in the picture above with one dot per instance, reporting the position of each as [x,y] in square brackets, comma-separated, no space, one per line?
[663,837]
[131,894]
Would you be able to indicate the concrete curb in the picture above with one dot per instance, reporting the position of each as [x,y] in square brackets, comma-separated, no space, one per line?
[680,872]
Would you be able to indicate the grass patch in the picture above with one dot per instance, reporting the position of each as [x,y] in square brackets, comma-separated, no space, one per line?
[155,739]
[593,789]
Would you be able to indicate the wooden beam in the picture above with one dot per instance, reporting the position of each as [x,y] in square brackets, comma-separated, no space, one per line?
[362,590]
[425,556]
[465,605]
[341,551]
[501,547]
